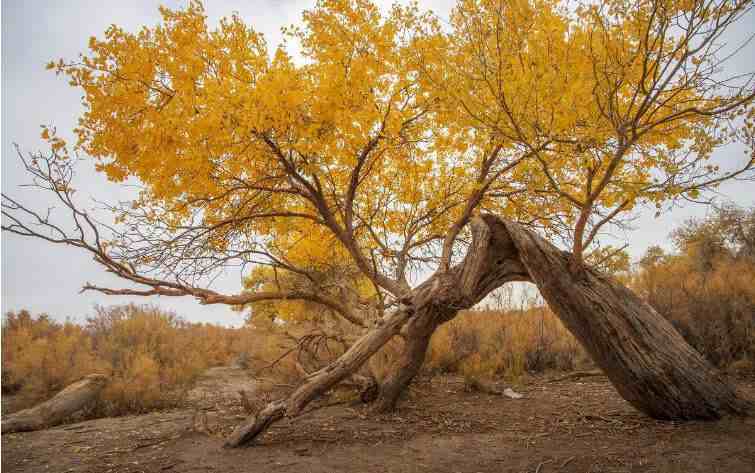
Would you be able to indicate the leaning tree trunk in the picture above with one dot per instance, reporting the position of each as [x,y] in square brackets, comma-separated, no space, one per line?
[646,359]
[489,263]
[67,402]
[408,363]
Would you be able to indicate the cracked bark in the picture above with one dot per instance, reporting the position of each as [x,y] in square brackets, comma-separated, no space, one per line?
[644,357]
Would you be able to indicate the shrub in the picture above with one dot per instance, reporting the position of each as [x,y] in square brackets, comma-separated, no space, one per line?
[41,356]
[707,288]
[151,356]
[496,343]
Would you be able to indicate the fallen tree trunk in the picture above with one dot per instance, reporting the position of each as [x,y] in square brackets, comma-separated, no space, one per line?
[67,402]
[645,358]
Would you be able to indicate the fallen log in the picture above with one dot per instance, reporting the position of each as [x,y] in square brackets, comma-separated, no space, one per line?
[53,411]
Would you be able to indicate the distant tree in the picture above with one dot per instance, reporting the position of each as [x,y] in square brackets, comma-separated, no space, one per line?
[706,288]
[729,232]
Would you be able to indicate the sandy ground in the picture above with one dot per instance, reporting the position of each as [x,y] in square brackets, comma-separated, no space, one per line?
[568,426]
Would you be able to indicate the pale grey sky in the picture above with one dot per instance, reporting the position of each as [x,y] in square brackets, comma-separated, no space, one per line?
[46,278]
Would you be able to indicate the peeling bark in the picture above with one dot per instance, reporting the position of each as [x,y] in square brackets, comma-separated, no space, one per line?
[53,411]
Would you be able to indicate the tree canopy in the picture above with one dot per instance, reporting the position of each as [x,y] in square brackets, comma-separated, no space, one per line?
[390,132]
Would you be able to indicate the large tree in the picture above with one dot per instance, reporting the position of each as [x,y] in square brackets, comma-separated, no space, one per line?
[404,145]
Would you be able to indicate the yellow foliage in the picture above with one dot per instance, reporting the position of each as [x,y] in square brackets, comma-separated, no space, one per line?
[590,103]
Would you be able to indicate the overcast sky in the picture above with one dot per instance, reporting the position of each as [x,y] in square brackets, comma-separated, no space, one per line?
[45,278]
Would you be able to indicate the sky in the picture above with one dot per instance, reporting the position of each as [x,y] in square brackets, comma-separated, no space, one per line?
[45,278]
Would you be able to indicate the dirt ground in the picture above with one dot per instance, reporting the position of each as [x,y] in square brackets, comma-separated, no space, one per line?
[567,426]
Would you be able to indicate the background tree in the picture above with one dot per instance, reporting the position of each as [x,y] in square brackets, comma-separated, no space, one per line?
[392,141]
[705,289]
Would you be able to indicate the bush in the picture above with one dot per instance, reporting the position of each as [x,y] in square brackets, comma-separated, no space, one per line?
[707,288]
[151,356]
[41,356]
[507,344]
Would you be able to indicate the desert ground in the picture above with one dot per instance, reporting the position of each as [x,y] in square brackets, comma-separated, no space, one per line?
[573,425]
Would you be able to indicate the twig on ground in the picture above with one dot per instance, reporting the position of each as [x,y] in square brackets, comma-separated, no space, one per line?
[567,461]
[537,470]
[577,375]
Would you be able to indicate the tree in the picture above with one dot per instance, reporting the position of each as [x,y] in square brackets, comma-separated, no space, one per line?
[705,289]
[393,142]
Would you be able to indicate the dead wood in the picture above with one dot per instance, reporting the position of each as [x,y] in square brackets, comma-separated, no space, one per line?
[577,375]
[51,412]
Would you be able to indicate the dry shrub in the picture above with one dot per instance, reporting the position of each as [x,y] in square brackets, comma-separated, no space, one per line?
[505,344]
[714,310]
[707,288]
[41,356]
[283,351]
[151,356]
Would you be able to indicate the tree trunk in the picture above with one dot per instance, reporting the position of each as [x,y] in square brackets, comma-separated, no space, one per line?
[406,366]
[490,262]
[321,381]
[645,358]
[650,364]
[67,402]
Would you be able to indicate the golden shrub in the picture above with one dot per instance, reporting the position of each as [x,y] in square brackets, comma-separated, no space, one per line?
[707,288]
[503,344]
[151,356]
